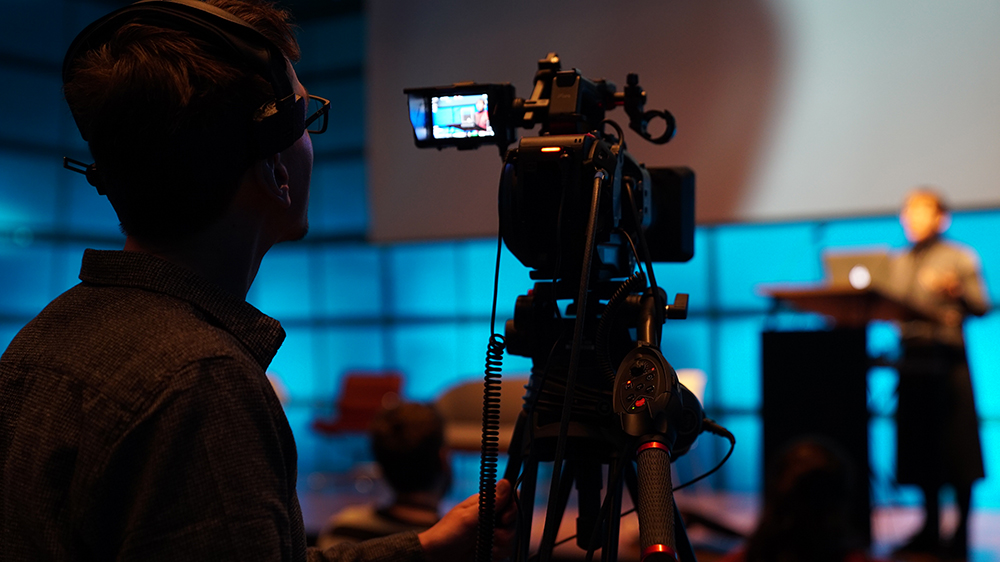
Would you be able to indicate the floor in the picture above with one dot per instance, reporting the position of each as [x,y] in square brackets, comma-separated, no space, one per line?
[708,513]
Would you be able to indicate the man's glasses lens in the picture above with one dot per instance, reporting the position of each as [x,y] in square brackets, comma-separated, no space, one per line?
[317,111]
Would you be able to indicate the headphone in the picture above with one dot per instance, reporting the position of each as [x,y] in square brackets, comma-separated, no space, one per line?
[271,133]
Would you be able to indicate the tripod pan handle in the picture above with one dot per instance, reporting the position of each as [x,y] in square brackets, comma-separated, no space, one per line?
[656,503]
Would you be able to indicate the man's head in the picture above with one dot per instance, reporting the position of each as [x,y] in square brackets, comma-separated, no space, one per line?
[408,442]
[924,215]
[173,114]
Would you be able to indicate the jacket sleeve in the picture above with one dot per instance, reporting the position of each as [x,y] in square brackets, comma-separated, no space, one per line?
[401,547]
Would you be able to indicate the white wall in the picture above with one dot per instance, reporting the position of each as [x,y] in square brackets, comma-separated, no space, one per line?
[786,108]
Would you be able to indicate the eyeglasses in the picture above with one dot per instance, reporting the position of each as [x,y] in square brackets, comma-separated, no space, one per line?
[317,109]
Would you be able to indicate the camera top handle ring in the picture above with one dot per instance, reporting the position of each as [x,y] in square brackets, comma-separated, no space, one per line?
[640,125]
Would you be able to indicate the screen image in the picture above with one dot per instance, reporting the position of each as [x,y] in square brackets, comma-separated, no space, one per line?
[418,117]
[460,116]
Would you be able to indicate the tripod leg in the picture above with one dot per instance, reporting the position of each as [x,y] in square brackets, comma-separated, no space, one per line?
[515,452]
[526,497]
[554,513]
[685,551]
[610,551]
[588,493]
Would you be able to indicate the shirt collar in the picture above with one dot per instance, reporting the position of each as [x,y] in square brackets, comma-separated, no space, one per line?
[259,333]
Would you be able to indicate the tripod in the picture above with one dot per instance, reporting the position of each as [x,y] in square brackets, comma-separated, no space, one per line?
[611,419]
[597,526]
[613,397]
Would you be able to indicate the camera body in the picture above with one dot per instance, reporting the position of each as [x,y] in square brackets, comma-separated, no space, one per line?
[546,180]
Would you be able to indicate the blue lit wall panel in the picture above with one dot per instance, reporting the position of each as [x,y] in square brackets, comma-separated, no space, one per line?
[332,43]
[88,211]
[986,493]
[34,20]
[471,351]
[476,264]
[752,255]
[27,191]
[25,278]
[66,266]
[882,462]
[981,336]
[686,344]
[883,340]
[736,383]
[424,281]
[979,230]
[427,355]
[347,282]
[337,203]
[691,277]
[346,121]
[7,332]
[859,233]
[742,472]
[282,287]
[341,349]
[294,364]
[32,110]
[881,388]
[38,21]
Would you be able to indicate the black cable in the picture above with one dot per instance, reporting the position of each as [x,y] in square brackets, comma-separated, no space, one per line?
[607,317]
[490,452]
[575,350]
[639,232]
[714,428]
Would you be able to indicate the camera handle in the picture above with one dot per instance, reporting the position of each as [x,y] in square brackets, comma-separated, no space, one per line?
[634,98]
[655,503]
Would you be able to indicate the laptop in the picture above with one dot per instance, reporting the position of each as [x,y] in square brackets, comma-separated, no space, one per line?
[856,269]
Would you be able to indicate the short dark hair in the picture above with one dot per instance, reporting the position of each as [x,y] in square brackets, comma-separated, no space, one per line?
[931,192]
[407,441]
[170,117]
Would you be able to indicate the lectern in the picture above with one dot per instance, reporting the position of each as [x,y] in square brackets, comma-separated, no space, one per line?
[815,382]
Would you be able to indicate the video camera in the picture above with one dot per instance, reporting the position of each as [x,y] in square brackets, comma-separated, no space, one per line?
[589,221]
[547,177]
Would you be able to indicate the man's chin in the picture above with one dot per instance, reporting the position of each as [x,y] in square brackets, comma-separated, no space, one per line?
[298,234]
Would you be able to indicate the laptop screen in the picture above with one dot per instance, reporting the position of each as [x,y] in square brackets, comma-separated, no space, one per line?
[859,270]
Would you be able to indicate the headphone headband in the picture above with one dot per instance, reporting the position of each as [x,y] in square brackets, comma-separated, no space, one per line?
[273,133]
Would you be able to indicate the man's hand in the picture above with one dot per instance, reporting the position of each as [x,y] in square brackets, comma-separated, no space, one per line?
[945,283]
[453,538]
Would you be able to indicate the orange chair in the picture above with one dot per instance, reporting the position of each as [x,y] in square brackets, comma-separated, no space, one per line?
[364,394]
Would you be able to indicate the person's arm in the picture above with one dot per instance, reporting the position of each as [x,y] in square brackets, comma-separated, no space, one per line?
[401,547]
[452,539]
[454,536]
[973,294]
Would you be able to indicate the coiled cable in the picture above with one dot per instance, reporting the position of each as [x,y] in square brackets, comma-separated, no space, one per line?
[490,451]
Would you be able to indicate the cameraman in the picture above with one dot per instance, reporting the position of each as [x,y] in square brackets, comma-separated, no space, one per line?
[136,420]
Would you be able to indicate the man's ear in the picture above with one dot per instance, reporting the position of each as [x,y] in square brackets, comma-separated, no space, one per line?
[272,177]
[945,223]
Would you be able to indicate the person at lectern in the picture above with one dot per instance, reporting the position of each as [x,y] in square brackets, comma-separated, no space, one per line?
[937,428]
